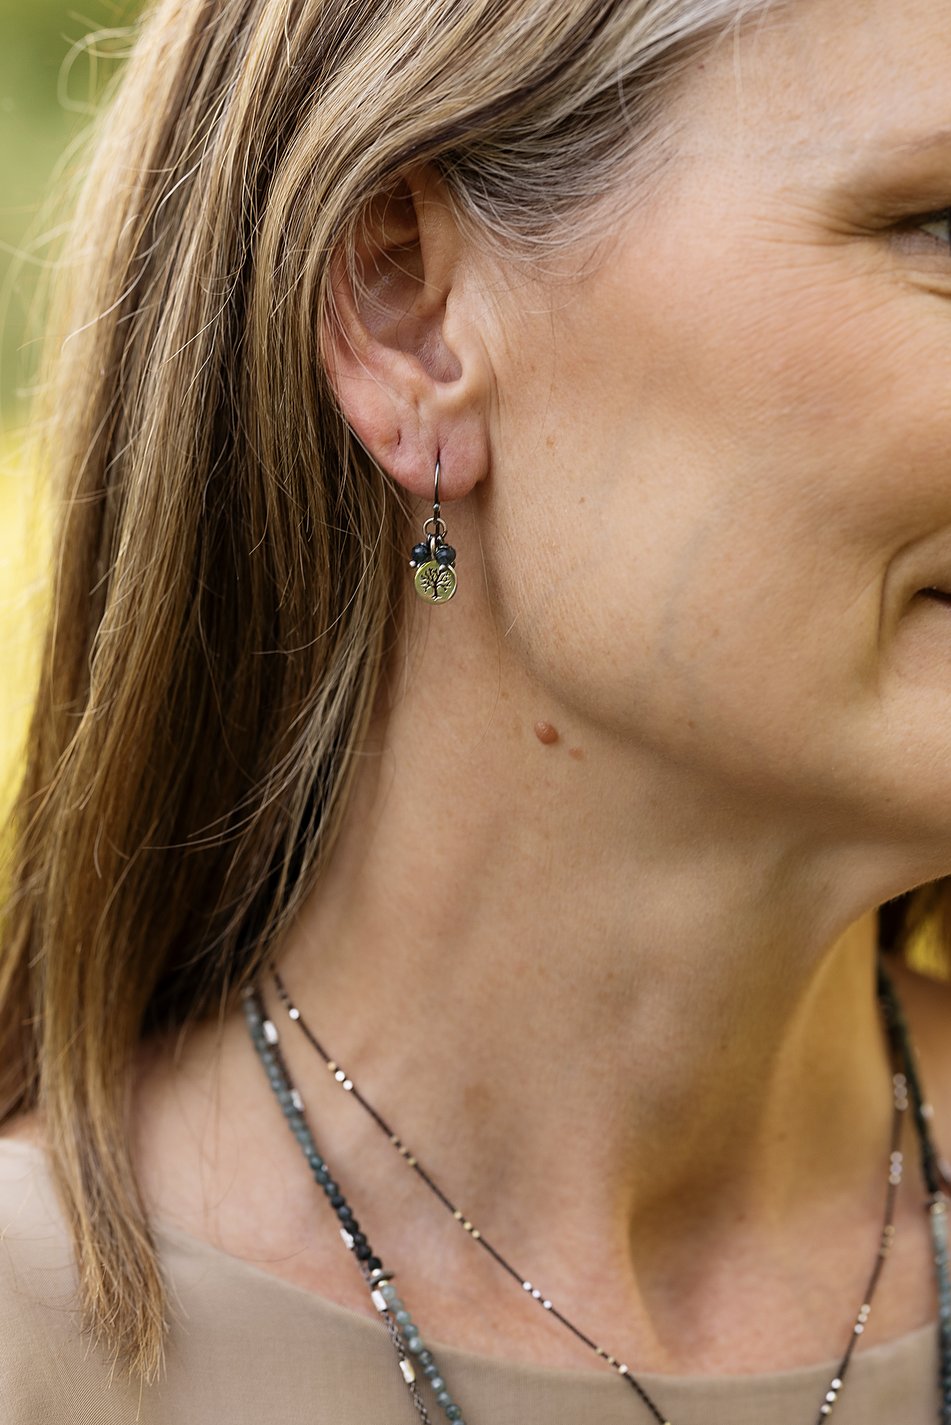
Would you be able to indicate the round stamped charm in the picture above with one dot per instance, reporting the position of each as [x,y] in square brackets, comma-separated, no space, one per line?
[435,582]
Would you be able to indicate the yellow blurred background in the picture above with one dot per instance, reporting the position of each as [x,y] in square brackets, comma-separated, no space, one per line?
[54,61]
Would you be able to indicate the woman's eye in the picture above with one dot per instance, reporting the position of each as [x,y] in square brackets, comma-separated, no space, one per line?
[925,236]
[937,225]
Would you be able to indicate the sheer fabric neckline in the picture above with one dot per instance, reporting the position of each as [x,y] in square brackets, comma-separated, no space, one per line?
[177,1238]
[175,1241]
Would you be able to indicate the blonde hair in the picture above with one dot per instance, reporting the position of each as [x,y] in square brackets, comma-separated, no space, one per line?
[226,553]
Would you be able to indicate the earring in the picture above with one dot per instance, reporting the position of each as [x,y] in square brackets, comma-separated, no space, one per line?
[433,560]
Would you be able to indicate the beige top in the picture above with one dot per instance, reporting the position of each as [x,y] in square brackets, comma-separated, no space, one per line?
[247,1347]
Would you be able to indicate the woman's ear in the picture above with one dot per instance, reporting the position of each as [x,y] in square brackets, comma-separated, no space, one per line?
[402,345]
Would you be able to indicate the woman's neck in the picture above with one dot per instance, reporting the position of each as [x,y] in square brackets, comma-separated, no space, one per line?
[637,1043]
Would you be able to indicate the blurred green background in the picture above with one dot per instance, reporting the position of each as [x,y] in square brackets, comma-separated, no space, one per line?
[54,61]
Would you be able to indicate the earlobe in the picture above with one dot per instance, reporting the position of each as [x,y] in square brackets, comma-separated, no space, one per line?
[407,387]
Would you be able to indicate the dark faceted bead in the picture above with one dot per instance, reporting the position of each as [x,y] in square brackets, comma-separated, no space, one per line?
[362,1250]
[445,554]
[420,553]
[374,1264]
[336,1199]
[345,1213]
[358,1237]
[426,1357]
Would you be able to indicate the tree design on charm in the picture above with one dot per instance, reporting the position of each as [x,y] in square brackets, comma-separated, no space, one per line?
[436,582]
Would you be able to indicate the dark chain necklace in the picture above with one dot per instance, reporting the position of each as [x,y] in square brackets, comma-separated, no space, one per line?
[411,1350]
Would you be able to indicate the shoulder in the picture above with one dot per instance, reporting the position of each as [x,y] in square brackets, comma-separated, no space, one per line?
[46,1368]
[37,1277]
[35,1250]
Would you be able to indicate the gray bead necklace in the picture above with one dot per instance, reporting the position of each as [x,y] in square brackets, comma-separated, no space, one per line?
[411,1350]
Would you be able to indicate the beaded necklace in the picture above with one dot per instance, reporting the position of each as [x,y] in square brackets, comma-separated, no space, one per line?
[412,1351]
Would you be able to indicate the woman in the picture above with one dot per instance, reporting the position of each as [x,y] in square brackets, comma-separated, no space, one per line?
[500,650]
